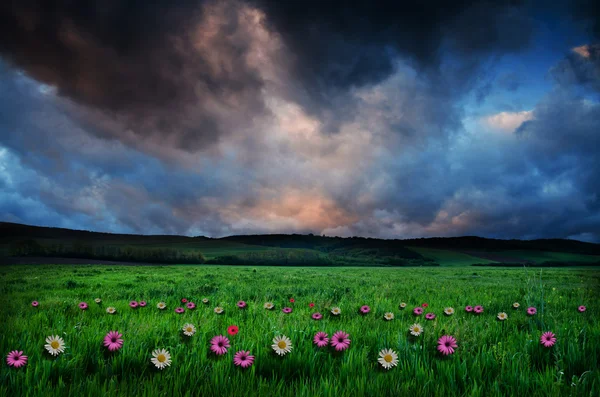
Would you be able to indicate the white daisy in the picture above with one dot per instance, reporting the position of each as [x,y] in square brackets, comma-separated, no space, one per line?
[98,300]
[111,310]
[502,316]
[336,311]
[161,358]
[55,345]
[189,330]
[205,301]
[388,316]
[161,305]
[269,305]
[218,310]
[449,311]
[516,305]
[402,305]
[282,345]
[416,329]
[388,358]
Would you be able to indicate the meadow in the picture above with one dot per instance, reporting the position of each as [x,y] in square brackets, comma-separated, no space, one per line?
[493,357]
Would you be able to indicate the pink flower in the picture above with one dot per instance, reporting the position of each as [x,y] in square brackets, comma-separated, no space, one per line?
[179,310]
[143,303]
[548,339]
[469,309]
[191,305]
[581,308]
[292,300]
[417,311]
[133,304]
[321,339]
[311,305]
[219,345]
[478,309]
[424,304]
[430,316]
[365,309]
[83,305]
[243,359]
[16,359]
[36,304]
[317,316]
[447,344]
[183,300]
[340,341]
[241,304]
[113,340]
[287,310]
[531,311]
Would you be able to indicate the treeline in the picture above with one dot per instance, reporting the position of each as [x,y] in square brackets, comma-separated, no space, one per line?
[112,253]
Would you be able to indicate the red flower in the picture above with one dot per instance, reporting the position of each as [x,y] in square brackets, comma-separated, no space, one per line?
[183,300]
[424,305]
[232,330]
[311,304]
[292,300]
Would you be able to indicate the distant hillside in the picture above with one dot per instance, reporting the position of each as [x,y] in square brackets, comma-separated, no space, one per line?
[23,241]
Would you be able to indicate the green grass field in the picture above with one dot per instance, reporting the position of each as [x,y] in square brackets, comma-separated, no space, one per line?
[493,358]
[449,258]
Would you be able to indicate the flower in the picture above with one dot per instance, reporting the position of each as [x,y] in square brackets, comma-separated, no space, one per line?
[478,309]
[219,345]
[429,316]
[336,311]
[269,305]
[469,309]
[516,305]
[365,309]
[321,339]
[416,329]
[98,300]
[388,358]
[142,303]
[218,310]
[447,344]
[317,316]
[205,301]
[233,330]
[189,329]
[531,311]
[111,310]
[287,310]
[292,300]
[581,309]
[133,304]
[161,358]
[282,345]
[402,306]
[179,310]
[388,316]
[16,359]
[161,305]
[243,359]
[417,311]
[502,316]
[311,305]
[340,341]
[190,305]
[449,311]
[241,304]
[424,305]
[113,340]
[83,305]
[548,339]
[55,345]
[183,300]
[35,303]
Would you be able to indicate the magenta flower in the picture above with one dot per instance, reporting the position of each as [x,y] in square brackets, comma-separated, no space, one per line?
[16,359]
[321,339]
[581,309]
[430,316]
[219,345]
[478,309]
[287,310]
[179,310]
[340,341]
[446,345]
[113,341]
[243,359]
[317,316]
[191,305]
[142,303]
[548,339]
[468,309]
[417,311]
[241,304]
[365,309]
[36,304]
[531,311]
[133,304]
[83,305]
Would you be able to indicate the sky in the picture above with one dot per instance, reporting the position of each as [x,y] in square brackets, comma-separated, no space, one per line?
[385,119]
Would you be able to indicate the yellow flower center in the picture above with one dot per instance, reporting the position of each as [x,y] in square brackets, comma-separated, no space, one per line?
[416,329]
[55,344]
[282,344]
[189,329]
[161,358]
[388,358]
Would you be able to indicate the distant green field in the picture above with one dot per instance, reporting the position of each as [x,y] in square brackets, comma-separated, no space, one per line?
[545,256]
[449,258]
